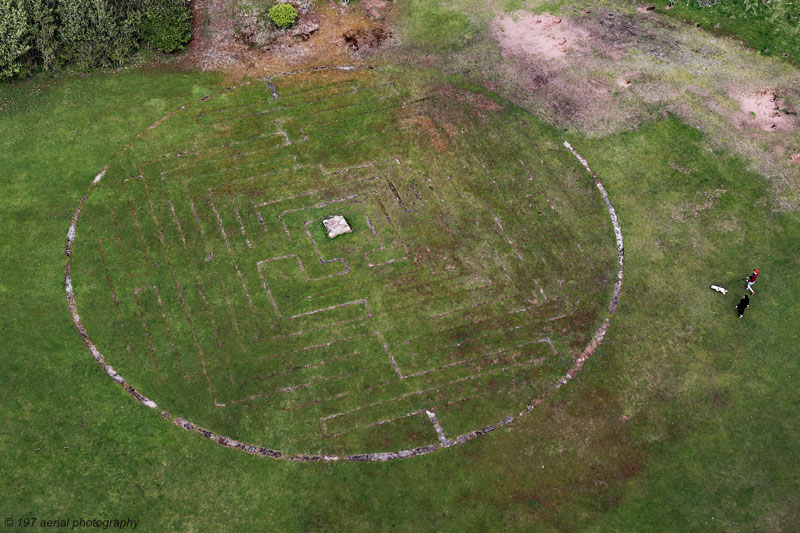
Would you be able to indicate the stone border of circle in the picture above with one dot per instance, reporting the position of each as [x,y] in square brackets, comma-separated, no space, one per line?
[253,449]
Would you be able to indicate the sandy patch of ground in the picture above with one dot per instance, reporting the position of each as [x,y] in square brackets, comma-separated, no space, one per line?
[544,35]
[765,110]
[553,57]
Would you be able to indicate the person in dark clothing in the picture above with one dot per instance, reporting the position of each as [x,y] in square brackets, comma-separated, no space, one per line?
[743,304]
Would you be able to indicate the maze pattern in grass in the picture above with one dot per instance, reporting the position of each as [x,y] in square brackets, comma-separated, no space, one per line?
[479,262]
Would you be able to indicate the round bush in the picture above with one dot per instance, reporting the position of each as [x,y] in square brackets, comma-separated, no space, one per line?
[167,25]
[283,15]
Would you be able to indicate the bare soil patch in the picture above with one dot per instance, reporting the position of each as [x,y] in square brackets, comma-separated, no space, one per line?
[231,37]
[365,38]
[546,36]
[378,9]
[556,57]
[765,110]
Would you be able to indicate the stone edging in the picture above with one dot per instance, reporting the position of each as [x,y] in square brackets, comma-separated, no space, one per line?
[444,442]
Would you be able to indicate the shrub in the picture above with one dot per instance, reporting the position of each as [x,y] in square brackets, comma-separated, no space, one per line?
[167,25]
[93,33]
[44,29]
[283,15]
[86,33]
[13,38]
[123,40]
[77,32]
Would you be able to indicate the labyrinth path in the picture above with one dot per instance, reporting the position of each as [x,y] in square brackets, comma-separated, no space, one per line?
[480,263]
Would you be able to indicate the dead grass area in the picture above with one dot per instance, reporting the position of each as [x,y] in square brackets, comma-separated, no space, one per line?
[556,58]
[473,100]
[425,124]
[436,120]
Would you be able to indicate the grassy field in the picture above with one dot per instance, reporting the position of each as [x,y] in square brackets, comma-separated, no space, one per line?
[684,418]
[714,394]
[207,276]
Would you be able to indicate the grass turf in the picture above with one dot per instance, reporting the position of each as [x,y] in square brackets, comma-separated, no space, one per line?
[714,393]
[711,429]
[469,280]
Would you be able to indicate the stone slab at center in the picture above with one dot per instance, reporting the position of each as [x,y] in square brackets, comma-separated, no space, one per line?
[336,225]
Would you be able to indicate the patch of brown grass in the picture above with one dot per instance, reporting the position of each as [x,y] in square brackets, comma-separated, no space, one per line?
[426,125]
[475,104]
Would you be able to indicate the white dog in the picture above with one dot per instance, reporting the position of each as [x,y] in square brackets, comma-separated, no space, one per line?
[719,289]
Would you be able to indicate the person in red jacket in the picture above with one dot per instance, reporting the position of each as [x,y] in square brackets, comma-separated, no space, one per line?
[752,279]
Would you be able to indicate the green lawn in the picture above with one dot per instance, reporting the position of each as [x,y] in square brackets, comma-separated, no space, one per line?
[480,260]
[713,394]
[711,431]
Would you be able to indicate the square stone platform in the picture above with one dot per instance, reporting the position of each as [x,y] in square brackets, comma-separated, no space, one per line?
[336,225]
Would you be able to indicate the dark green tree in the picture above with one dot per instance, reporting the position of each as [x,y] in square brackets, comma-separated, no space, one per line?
[44,27]
[167,24]
[14,38]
